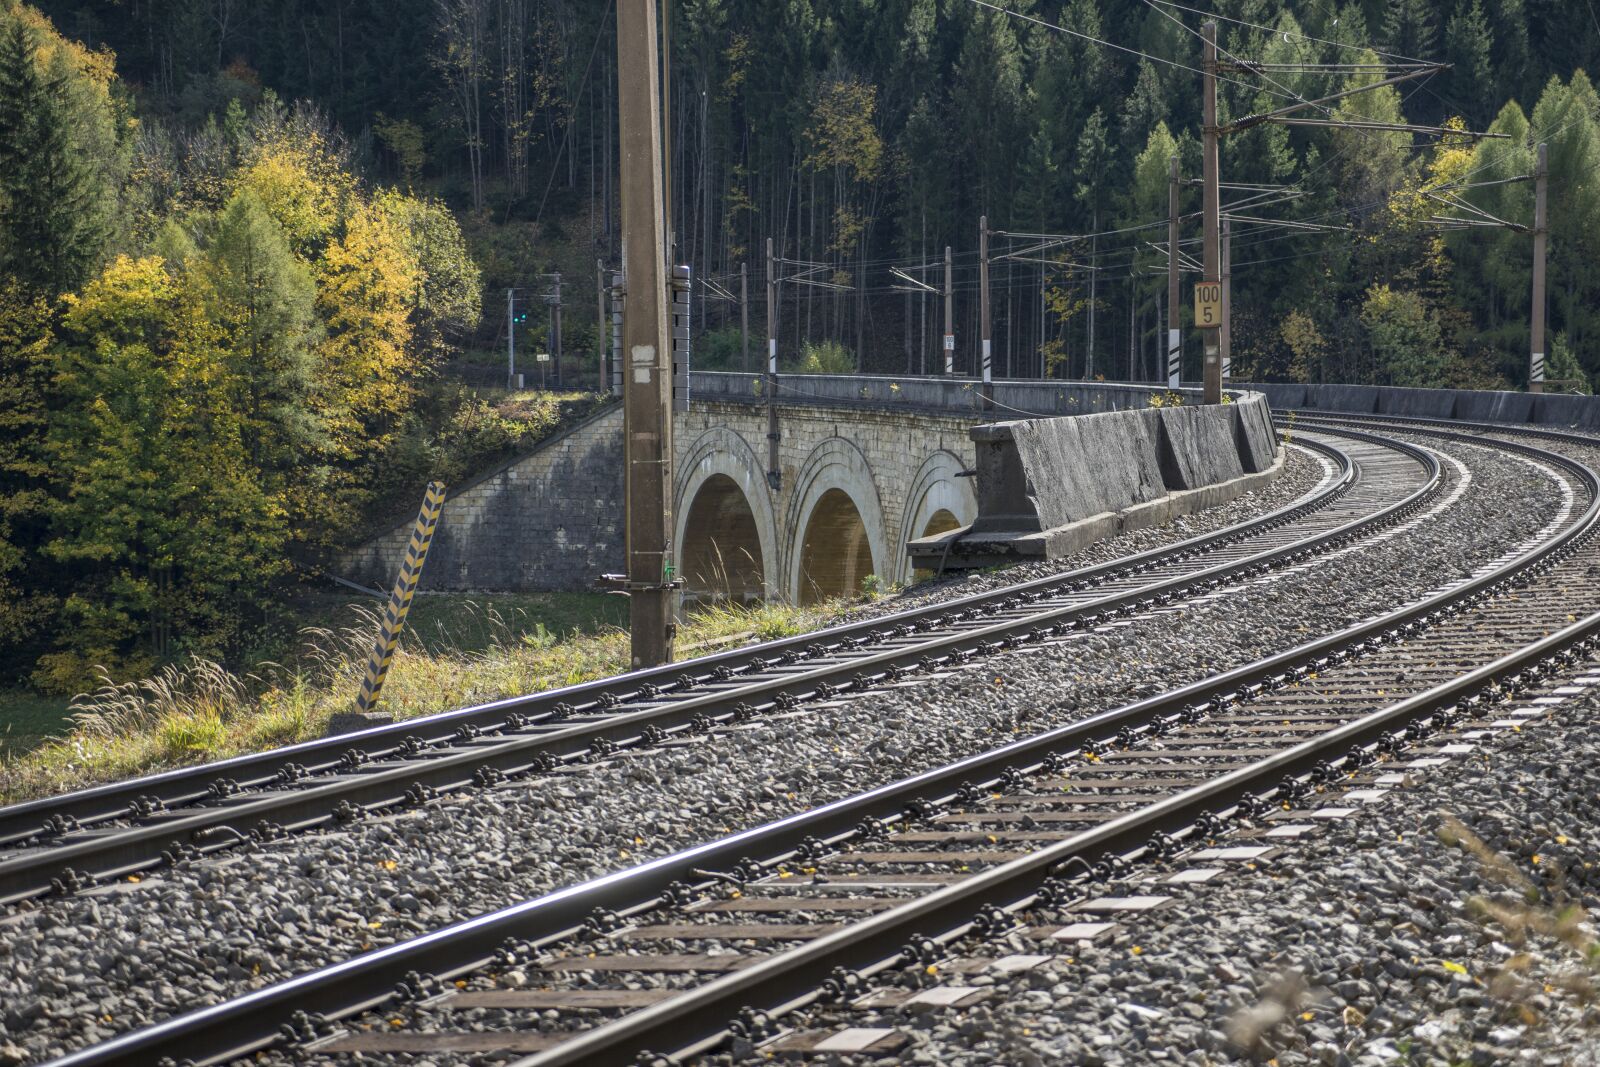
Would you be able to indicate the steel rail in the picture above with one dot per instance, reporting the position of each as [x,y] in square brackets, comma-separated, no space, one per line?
[793,978]
[246,1024]
[190,785]
[347,796]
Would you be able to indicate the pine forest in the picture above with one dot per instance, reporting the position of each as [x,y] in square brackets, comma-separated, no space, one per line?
[254,257]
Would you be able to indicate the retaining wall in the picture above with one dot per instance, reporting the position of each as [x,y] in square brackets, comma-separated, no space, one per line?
[1047,487]
[1473,405]
[550,519]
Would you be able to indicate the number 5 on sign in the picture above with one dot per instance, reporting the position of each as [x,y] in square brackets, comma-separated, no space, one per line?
[1208,305]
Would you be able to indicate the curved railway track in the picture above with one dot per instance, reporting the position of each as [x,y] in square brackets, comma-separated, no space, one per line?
[427,736]
[726,938]
[67,843]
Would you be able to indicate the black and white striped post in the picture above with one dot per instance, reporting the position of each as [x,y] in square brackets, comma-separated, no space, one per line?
[1174,334]
[405,587]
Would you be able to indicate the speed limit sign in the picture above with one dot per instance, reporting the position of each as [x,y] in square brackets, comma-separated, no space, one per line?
[1208,305]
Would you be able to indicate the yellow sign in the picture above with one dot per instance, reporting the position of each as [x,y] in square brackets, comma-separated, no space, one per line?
[1208,305]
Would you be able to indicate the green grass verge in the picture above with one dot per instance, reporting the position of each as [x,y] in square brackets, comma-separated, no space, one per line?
[27,719]
[457,651]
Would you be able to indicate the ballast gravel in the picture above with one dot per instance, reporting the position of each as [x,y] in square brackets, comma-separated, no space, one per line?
[78,970]
[1453,922]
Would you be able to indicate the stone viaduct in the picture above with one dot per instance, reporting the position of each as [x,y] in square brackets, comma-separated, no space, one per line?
[867,464]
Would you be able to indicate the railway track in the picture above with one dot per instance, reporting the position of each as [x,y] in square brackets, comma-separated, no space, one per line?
[727,938]
[432,735]
[64,844]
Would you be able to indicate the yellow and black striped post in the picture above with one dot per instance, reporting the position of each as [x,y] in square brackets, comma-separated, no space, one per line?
[405,586]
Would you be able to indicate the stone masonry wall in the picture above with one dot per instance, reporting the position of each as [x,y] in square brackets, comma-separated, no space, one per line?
[549,520]
[553,519]
[898,467]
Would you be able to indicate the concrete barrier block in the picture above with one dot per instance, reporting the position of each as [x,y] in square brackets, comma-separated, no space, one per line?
[1078,467]
[1355,399]
[1559,410]
[1197,446]
[1254,436]
[1282,395]
[1004,500]
[1497,405]
[1423,403]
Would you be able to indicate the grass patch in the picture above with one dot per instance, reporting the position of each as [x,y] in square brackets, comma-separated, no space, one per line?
[27,719]
[455,653]
[452,623]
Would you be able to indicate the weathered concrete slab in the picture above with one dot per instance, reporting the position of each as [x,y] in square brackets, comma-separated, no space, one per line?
[1498,405]
[1423,403]
[1078,467]
[1198,445]
[1557,410]
[1254,435]
[1005,496]
[1282,395]
[1355,399]
[962,549]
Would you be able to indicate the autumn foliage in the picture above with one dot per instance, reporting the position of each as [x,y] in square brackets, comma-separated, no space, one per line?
[211,384]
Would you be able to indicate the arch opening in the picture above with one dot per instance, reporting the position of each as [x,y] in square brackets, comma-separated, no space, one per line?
[835,554]
[720,557]
[941,521]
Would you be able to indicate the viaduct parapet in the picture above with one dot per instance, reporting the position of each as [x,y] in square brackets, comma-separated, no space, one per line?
[867,465]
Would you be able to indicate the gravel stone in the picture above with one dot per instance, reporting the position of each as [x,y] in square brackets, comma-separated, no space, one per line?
[78,969]
[1452,923]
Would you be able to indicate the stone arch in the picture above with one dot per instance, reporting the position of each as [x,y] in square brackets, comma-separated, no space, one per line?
[721,458]
[720,556]
[835,552]
[835,464]
[935,489]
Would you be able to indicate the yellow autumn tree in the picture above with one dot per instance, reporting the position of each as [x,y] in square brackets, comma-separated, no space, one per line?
[366,371]
[298,179]
[165,525]
[843,138]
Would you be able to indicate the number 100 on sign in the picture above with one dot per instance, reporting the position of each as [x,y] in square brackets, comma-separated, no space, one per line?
[1208,305]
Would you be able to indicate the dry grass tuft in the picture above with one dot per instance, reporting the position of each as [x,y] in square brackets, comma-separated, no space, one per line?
[200,710]
[1524,912]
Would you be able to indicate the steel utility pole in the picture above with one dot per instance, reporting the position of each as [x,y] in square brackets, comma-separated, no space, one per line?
[744,316]
[1225,332]
[511,338]
[600,324]
[1210,211]
[647,344]
[949,316]
[1541,227]
[774,472]
[555,331]
[984,343]
[1174,334]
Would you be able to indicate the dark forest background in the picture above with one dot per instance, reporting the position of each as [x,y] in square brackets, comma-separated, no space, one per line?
[867,134]
[253,255]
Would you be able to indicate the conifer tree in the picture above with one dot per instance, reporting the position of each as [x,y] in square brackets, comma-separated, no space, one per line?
[1468,44]
[54,197]
[263,299]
